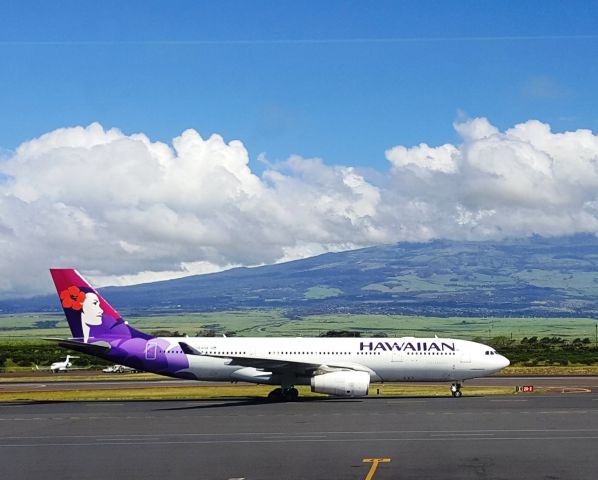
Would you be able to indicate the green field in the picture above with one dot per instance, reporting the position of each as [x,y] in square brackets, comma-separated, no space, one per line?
[273,323]
[227,391]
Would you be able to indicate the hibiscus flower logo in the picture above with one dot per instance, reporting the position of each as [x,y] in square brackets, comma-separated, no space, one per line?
[73,298]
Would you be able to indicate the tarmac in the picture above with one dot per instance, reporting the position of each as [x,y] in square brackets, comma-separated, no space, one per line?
[48,383]
[553,436]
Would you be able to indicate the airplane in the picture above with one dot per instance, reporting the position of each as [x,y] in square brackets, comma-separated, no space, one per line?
[342,367]
[63,366]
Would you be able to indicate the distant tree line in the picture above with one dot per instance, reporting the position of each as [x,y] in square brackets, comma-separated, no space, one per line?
[31,353]
[340,333]
[529,351]
[553,350]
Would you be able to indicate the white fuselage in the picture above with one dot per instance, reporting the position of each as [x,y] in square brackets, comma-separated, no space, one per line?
[63,366]
[405,359]
[60,366]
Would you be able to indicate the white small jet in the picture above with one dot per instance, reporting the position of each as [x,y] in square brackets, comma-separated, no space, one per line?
[64,366]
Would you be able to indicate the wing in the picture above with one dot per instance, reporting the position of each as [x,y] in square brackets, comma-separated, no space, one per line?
[278,366]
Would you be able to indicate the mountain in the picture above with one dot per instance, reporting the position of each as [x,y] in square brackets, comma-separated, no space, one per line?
[523,277]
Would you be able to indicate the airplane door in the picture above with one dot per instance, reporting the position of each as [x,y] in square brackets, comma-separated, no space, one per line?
[397,356]
[150,350]
[465,357]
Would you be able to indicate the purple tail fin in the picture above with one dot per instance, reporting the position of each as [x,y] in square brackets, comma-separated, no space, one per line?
[90,317]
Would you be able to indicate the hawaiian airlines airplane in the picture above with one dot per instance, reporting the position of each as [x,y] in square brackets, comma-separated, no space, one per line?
[335,366]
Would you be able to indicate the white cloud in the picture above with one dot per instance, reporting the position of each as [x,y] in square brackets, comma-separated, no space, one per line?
[424,158]
[186,268]
[125,209]
[518,182]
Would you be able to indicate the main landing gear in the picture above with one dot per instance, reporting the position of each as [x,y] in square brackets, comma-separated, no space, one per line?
[284,395]
[456,390]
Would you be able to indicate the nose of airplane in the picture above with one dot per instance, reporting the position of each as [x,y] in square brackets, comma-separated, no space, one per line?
[503,361]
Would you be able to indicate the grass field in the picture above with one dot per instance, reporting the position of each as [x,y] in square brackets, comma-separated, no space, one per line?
[228,391]
[273,323]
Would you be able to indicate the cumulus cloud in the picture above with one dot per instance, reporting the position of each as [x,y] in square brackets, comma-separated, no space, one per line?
[125,209]
[514,183]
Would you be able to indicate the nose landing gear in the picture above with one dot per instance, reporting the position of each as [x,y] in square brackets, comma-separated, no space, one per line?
[456,390]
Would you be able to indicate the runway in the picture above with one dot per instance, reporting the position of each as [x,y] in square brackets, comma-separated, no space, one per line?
[512,437]
[49,383]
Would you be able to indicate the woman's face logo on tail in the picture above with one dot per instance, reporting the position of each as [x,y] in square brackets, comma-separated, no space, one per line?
[87,303]
[91,311]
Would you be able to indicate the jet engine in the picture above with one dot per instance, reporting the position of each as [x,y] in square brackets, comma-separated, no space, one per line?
[342,383]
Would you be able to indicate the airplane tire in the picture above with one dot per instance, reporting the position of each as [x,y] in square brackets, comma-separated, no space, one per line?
[292,395]
[286,395]
[275,395]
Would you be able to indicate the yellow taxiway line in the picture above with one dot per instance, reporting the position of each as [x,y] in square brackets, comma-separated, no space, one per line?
[374,467]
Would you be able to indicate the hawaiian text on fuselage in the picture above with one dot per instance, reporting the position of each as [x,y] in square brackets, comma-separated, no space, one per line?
[407,346]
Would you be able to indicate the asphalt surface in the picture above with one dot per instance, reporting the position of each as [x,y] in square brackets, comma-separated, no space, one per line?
[513,437]
[561,384]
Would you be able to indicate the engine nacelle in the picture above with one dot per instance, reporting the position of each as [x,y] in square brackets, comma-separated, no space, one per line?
[342,384]
[253,375]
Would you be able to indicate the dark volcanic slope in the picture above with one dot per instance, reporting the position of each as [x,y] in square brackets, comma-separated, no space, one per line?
[535,276]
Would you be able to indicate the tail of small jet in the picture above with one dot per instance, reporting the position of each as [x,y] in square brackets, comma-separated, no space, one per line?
[90,317]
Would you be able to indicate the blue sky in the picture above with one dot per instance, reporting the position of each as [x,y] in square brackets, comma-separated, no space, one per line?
[463,120]
[343,81]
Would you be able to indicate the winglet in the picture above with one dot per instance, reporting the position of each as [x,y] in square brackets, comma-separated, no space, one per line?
[188,349]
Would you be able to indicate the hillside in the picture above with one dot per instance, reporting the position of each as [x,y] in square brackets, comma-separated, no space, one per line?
[525,277]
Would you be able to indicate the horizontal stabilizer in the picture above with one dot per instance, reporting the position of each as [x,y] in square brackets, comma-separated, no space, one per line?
[99,348]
